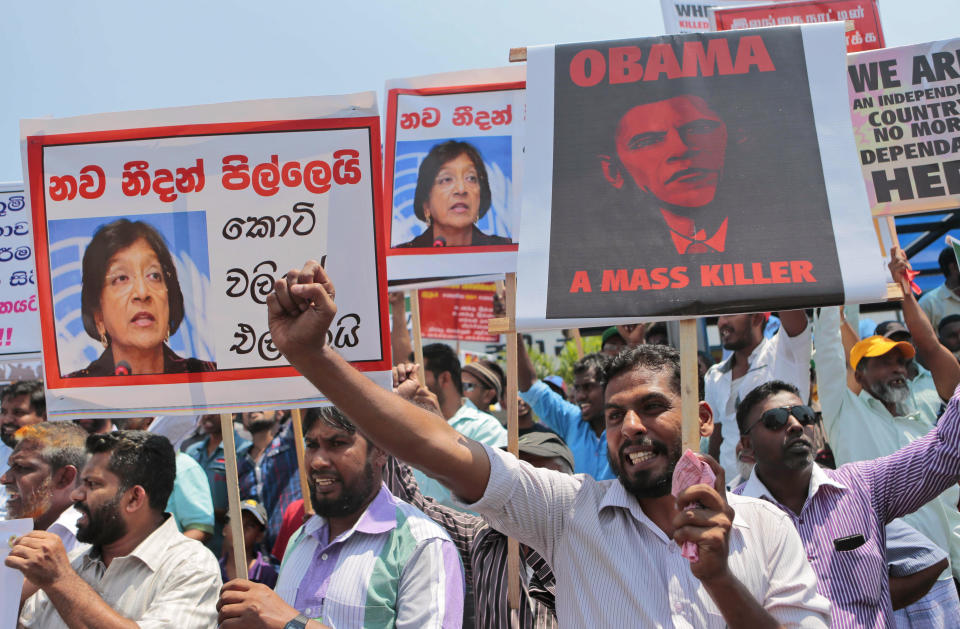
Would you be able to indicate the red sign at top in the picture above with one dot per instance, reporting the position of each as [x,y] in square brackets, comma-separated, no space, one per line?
[864,14]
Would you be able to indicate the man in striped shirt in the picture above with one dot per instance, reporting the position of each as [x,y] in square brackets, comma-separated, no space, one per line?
[840,514]
[613,544]
[367,559]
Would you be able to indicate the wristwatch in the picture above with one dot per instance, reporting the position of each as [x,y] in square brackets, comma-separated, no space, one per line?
[300,622]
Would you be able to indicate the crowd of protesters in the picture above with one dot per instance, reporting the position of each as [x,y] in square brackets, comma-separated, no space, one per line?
[835,449]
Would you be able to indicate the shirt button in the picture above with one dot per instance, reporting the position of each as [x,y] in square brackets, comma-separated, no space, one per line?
[677,607]
[323,556]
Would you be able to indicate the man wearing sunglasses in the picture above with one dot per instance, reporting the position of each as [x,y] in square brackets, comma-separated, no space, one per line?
[840,514]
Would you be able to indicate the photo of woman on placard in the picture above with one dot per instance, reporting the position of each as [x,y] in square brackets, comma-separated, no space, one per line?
[452,194]
[131,302]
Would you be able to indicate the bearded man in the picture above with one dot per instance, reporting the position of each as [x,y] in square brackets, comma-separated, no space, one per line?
[365,559]
[140,570]
[890,411]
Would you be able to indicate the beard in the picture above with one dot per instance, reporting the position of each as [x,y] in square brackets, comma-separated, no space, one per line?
[352,497]
[257,426]
[890,394]
[647,483]
[104,524]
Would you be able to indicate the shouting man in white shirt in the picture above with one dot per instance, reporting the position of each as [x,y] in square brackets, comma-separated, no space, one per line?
[613,544]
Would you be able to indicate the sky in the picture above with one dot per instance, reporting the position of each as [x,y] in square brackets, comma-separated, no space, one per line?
[71,58]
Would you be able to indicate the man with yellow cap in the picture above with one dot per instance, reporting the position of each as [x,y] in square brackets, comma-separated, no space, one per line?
[889,412]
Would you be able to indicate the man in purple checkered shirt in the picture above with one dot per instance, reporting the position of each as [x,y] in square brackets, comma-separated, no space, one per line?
[840,514]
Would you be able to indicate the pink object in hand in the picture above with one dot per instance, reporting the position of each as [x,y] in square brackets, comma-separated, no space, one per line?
[691,470]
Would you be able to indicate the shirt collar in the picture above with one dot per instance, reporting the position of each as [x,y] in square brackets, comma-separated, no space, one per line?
[754,487]
[379,517]
[684,233]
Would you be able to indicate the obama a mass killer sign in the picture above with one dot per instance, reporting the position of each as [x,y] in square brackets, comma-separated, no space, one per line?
[905,105]
[691,175]
[160,234]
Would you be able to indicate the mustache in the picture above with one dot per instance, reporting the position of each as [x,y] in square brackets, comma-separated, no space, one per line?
[657,447]
[688,171]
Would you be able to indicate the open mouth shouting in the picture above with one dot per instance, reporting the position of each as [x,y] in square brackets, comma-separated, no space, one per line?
[143,319]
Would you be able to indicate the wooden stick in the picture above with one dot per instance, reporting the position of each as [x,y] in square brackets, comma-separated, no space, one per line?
[297,420]
[578,341]
[513,439]
[417,336]
[233,495]
[892,226]
[689,391]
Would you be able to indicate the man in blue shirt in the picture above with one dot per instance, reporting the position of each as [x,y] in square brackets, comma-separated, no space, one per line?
[582,424]
[210,455]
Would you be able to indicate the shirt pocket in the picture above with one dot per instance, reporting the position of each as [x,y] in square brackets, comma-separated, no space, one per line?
[853,574]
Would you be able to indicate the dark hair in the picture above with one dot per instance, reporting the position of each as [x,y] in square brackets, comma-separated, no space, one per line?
[439,155]
[439,357]
[33,388]
[59,443]
[597,362]
[652,357]
[947,320]
[330,416]
[758,395]
[946,259]
[107,241]
[138,457]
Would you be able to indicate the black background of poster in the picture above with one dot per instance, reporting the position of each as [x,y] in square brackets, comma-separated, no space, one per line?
[772,188]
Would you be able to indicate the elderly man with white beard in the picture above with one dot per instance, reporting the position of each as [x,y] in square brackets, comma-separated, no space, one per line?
[888,413]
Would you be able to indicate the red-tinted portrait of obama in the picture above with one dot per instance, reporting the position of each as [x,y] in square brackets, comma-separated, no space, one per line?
[672,151]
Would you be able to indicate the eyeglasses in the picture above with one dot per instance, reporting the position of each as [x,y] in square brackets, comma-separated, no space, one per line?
[777,418]
[472,386]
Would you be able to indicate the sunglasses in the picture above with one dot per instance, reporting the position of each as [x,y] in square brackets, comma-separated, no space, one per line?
[777,418]
[471,386]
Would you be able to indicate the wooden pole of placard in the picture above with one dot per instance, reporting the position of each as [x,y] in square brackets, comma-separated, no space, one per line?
[513,439]
[233,495]
[417,335]
[689,389]
[508,325]
[578,341]
[297,420]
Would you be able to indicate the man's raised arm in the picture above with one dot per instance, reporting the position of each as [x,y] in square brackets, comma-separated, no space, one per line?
[938,359]
[301,308]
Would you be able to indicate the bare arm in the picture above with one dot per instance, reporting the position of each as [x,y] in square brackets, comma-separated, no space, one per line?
[526,373]
[911,588]
[197,534]
[793,322]
[301,309]
[937,358]
[41,558]
[400,343]
[82,608]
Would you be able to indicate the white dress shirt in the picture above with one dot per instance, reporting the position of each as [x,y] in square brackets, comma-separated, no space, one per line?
[169,581]
[616,568]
